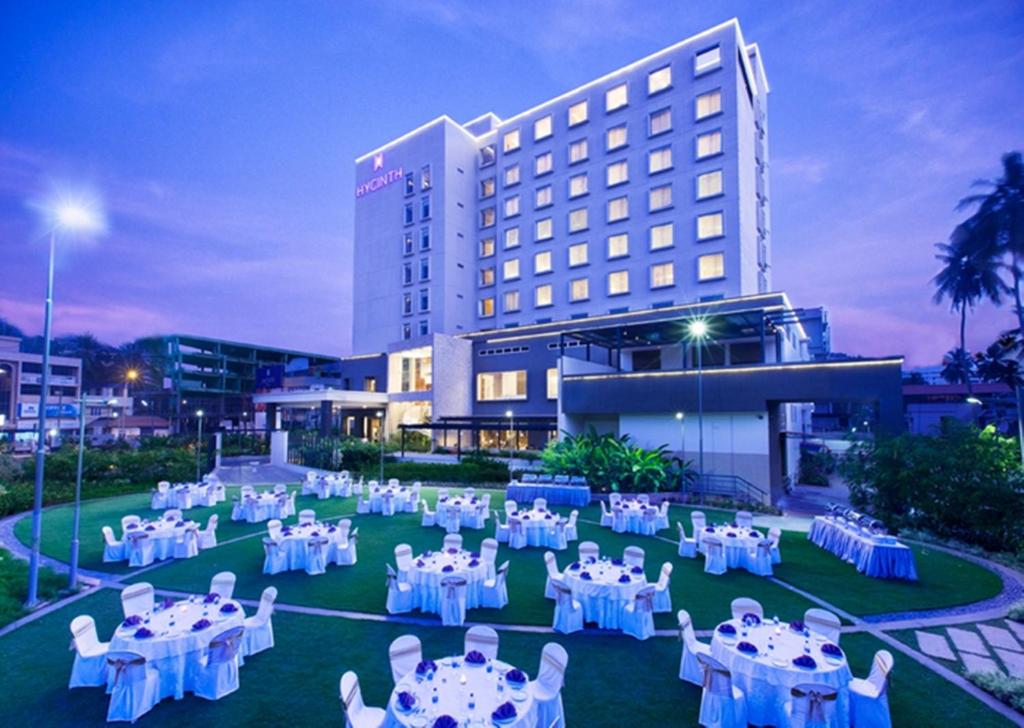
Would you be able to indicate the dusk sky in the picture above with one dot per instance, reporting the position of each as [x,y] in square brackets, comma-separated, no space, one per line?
[221,138]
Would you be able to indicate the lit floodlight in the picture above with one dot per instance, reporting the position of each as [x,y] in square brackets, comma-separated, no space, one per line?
[698,329]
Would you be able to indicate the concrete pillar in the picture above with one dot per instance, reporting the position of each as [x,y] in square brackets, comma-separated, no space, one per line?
[218,439]
[279,447]
[326,417]
[272,423]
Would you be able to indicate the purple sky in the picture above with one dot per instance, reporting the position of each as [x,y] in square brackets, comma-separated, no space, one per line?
[221,138]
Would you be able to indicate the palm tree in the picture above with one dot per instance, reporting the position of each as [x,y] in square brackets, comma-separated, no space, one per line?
[957,367]
[1000,363]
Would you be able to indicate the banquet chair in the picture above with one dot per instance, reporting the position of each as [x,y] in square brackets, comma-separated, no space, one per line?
[452,518]
[307,515]
[745,519]
[357,713]
[453,601]
[208,536]
[699,522]
[869,701]
[606,516]
[223,584]
[638,615]
[452,541]
[280,488]
[516,533]
[219,492]
[139,548]
[540,504]
[589,550]
[714,556]
[357,488]
[246,490]
[643,498]
[291,504]
[614,498]
[468,492]
[482,639]
[113,550]
[237,510]
[494,592]
[129,520]
[135,686]
[500,529]
[489,553]
[479,517]
[775,535]
[413,502]
[742,606]
[722,704]
[403,559]
[173,514]
[394,483]
[547,688]
[346,541]
[633,556]
[687,546]
[662,597]
[274,559]
[137,598]
[442,494]
[399,593]
[429,517]
[216,675]
[571,531]
[309,484]
[557,535]
[259,629]
[90,667]
[663,515]
[274,529]
[387,504]
[316,555]
[554,575]
[689,667]
[812,706]
[511,507]
[405,653]
[620,522]
[186,546]
[759,559]
[568,611]
[159,499]
[649,522]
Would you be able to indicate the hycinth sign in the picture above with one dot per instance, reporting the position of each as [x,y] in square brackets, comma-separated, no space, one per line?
[381,180]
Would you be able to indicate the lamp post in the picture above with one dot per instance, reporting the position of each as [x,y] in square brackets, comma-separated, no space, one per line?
[382,415]
[698,332]
[199,442]
[82,402]
[69,217]
[513,445]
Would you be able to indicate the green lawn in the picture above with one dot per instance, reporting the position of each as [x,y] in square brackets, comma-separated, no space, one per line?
[14,586]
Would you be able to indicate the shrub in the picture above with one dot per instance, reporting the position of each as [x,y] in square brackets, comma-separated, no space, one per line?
[1016,612]
[470,470]
[1009,690]
[14,586]
[415,441]
[816,466]
[332,453]
[611,463]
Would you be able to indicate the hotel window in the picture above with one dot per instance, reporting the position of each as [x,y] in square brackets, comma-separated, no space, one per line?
[578,220]
[710,267]
[511,301]
[487,276]
[542,128]
[487,307]
[542,262]
[710,144]
[659,198]
[407,214]
[406,332]
[618,246]
[618,283]
[512,238]
[407,243]
[710,226]
[510,142]
[578,255]
[542,197]
[616,97]
[579,289]
[425,180]
[424,269]
[542,296]
[552,383]
[578,113]
[709,104]
[578,151]
[578,185]
[487,188]
[659,122]
[661,236]
[492,386]
[425,238]
[512,175]
[512,206]
[543,230]
[543,164]
[407,273]
[663,275]
[410,184]
[406,303]
[659,80]
[617,173]
[615,138]
[425,208]
[618,209]
[487,217]
[658,160]
[424,328]
[487,247]
[487,155]
[424,299]
[709,184]
[707,60]
[510,270]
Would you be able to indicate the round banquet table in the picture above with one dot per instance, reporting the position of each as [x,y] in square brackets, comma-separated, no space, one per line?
[738,543]
[539,527]
[603,596]
[162,534]
[454,681]
[428,571]
[467,509]
[264,506]
[175,647]
[768,676]
[399,496]
[634,512]
[294,541]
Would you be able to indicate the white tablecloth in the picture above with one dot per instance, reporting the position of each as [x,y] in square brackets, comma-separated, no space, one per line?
[428,570]
[162,534]
[539,527]
[263,507]
[332,485]
[454,686]
[467,509]
[768,676]
[880,556]
[634,512]
[399,496]
[739,543]
[174,647]
[603,595]
[295,542]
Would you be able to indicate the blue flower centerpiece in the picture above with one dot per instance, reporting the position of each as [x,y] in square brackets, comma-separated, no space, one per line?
[229,608]
[747,648]
[133,621]
[751,620]
[617,562]
[211,598]
[831,651]
[574,566]
[406,701]
[624,579]
[515,677]
[637,570]
[446,721]
[727,629]
[475,658]
[201,625]
[585,575]
[143,633]
[504,713]
[805,661]
[426,666]
[796,625]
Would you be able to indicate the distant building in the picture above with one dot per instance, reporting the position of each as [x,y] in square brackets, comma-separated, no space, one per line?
[21,387]
[927,405]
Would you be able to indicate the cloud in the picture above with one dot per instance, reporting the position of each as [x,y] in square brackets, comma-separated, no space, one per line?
[806,169]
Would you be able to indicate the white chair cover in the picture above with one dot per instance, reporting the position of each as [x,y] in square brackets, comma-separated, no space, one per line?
[357,714]
[620,523]
[259,629]
[500,529]
[208,537]
[568,611]
[759,561]
[489,554]
[554,575]
[140,549]
[404,653]
[223,583]
[649,523]
[429,517]
[134,686]
[638,616]
[823,622]
[494,592]
[547,688]
[452,541]
[606,516]
[571,532]
[399,593]
[745,519]
[741,606]
[633,556]
[722,705]
[274,559]
[689,667]
[482,639]
[869,699]
[775,536]
[137,598]
[662,596]
[187,544]
[403,559]
[316,555]
[813,706]
[714,556]
[90,667]
[516,533]
[453,601]
[217,672]
[113,550]
[687,546]
[699,522]
[307,515]
[589,550]
[663,515]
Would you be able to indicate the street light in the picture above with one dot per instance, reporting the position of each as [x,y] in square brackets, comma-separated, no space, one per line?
[67,217]
[199,442]
[698,330]
[973,400]
[381,415]
[82,402]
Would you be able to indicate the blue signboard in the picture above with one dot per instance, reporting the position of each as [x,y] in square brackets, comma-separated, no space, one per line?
[30,410]
[271,377]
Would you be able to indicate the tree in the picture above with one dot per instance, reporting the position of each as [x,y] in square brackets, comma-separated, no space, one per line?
[1000,363]
[9,329]
[958,367]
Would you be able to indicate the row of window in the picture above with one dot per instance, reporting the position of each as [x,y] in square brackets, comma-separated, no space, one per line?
[511,385]
[710,267]
[407,271]
[422,328]
[425,180]
[423,298]
[408,242]
[408,211]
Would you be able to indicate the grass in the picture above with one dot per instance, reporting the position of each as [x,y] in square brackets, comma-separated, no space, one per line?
[14,586]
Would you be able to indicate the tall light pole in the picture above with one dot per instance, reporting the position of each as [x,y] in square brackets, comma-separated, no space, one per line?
[698,330]
[199,442]
[82,402]
[129,376]
[69,217]
[382,415]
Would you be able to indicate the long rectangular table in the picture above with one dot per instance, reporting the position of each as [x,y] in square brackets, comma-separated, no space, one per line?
[555,494]
[881,557]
